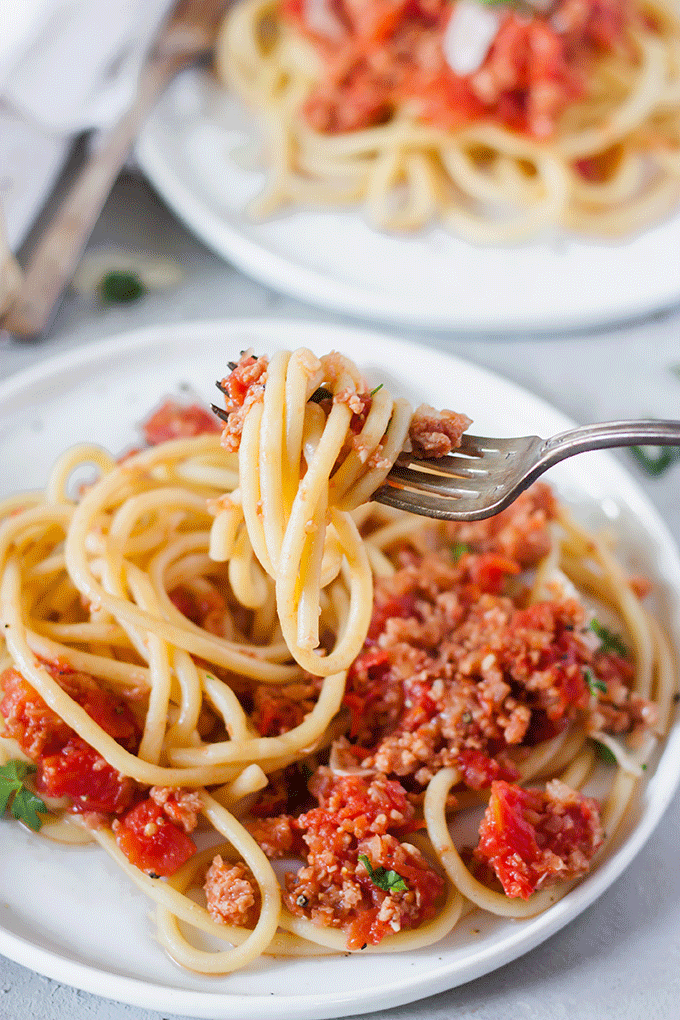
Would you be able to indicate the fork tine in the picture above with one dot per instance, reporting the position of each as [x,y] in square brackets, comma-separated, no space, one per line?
[415,502]
[221,388]
[470,507]
[442,484]
[450,467]
[220,412]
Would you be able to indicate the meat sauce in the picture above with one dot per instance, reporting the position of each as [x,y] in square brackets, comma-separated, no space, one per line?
[357,820]
[382,55]
[455,670]
[67,766]
[533,839]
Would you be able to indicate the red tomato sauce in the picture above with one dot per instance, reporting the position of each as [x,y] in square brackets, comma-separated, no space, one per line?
[378,56]
[67,766]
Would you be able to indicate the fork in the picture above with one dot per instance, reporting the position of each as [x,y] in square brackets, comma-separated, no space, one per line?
[187,35]
[486,475]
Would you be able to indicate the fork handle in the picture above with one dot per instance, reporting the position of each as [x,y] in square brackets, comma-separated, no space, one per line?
[647,432]
[60,249]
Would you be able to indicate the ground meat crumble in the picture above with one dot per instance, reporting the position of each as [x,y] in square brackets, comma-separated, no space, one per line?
[231,893]
[181,806]
[436,433]
[432,433]
[456,671]
[357,820]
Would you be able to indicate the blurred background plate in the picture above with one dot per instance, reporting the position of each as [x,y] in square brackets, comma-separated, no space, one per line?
[200,152]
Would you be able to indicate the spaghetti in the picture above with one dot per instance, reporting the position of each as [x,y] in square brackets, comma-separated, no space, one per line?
[155,670]
[571,117]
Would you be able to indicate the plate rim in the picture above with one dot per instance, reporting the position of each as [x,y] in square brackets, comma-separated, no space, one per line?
[223,1005]
[263,264]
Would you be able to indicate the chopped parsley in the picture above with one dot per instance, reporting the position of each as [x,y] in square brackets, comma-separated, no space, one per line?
[373,392]
[389,881]
[594,685]
[457,550]
[603,752]
[655,464]
[611,642]
[120,286]
[26,806]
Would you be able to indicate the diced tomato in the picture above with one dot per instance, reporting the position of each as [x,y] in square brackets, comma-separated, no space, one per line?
[28,720]
[488,573]
[563,658]
[365,685]
[247,372]
[67,765]
[478,771]
[343,798]
[108,711]
[275,715]
[532,839]
[80,773]
[420,706]
[179,421]
[368,927]
[151,841]
[387,607]
[206,610]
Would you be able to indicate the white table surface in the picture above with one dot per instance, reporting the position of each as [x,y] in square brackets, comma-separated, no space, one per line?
[621,959]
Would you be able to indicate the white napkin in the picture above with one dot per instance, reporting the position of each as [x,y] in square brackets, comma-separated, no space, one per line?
[65,66]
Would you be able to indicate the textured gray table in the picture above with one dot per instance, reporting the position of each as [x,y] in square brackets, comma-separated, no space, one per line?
[621,959]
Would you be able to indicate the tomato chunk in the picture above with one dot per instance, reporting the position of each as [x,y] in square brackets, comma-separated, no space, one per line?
[67,765]
[28,720]
[151,841]
[178,421]
[80,773]
[533,839]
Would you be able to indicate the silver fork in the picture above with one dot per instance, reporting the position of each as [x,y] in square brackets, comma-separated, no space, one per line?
[486,475]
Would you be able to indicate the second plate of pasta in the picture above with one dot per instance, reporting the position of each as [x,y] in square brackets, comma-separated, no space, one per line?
[202,151]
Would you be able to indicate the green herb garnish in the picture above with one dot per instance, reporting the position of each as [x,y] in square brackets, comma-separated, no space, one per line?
[611,642]
[121,286]
[603,752]
[594,685]
[655,464]
[389,881]
[25,804]
[373,392]
[457,550]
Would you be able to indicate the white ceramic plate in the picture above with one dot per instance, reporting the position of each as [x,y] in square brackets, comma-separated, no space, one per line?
[78,919]
[430,280]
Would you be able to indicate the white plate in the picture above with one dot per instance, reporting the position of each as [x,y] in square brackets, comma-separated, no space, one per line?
[431,280]
[78,919]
